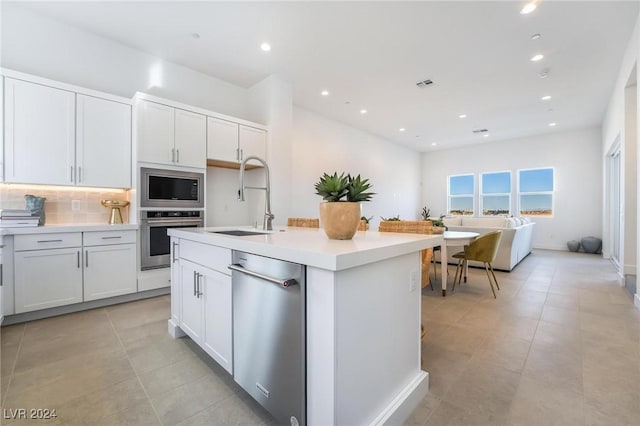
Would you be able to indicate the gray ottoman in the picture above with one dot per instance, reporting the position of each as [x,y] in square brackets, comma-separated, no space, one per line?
[591,244]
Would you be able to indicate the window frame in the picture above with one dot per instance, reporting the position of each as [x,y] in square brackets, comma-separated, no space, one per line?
[551,192]
[481,193]
[472,195]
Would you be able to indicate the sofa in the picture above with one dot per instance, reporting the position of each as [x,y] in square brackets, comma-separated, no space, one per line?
[515,244]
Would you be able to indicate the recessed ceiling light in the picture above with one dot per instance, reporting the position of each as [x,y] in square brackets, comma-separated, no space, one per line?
[528,8]
[265,47]
[537,57]
[433,144]
[363,111]
[195,35]
[535,36]
[552,124]
[486,135]
[402,129]
[325,93]
[545,98]
[462,116]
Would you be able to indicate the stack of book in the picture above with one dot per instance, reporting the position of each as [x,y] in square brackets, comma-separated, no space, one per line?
[11,218]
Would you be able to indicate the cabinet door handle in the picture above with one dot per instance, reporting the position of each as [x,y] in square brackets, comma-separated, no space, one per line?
[111,238]
[173,260]
[195,293]
[173,155]
[71,174]
[199,292]
[241,154]
[78,253]
[49,241]
[237,154]
[86,258]
[177,155]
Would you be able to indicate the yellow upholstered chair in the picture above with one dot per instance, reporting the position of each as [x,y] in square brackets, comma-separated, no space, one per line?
[303,222]
[482,249]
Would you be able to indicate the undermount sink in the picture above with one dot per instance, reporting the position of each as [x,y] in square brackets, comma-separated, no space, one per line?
[239,232]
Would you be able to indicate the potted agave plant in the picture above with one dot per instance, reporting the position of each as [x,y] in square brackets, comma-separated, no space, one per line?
[340,213]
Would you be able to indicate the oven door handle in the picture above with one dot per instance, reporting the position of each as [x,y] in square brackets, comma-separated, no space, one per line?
[171,221]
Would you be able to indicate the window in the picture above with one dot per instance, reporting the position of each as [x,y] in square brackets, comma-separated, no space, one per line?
[495,193]
[461,189]
[535,191]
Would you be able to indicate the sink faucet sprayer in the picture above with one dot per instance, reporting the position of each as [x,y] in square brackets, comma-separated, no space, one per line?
[268,216]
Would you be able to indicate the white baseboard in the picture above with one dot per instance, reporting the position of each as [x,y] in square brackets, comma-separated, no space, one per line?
[174,330]
[399,410]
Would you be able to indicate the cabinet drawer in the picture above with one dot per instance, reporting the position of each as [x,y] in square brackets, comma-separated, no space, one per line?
[100,238]
[47,241]
[216,258]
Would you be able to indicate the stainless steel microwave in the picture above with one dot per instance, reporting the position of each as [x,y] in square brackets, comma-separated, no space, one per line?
[171,189]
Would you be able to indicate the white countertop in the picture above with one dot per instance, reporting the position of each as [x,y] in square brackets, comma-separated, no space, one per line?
[312,247]
[48,229]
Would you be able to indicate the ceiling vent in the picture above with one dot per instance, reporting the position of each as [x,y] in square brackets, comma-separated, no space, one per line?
[424,83]
[479,131]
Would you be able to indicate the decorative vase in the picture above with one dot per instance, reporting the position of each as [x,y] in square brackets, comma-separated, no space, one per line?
[36,206]
[340,219]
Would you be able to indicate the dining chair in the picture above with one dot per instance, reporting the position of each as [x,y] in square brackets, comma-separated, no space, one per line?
[482,249]
[303,222]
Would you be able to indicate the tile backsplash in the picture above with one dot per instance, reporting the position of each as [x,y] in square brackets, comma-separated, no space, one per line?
[58,206]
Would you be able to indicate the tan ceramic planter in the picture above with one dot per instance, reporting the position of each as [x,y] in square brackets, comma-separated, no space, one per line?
[340,220]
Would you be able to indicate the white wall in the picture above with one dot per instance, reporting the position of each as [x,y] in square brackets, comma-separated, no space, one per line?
[41,46]
[575,155]
[630,181]
[323,145]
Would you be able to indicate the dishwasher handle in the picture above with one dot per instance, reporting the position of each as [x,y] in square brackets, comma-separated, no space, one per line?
[284,283]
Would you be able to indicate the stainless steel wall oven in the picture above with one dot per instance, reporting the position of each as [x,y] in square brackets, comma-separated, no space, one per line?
[155,244]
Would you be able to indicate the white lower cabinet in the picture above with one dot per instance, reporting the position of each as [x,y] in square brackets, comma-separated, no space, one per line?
[109,271]
[205,308]
[47,278]
[109,264]
[57,269]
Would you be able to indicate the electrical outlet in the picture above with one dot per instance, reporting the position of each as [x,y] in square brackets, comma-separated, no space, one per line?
[75,205]
[413,281]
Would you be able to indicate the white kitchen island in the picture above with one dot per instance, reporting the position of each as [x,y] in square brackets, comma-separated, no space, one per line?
[363,316]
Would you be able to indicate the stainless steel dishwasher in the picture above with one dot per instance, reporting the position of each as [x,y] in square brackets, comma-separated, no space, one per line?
[269,348]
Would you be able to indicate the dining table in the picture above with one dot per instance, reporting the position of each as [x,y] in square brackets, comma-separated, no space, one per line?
[453,239]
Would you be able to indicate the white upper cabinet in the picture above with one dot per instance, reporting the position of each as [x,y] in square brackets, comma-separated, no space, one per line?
[156,132]
[39,134]
[190,139]
[172,136]
[103,135]
[252,141]
[59,137]
[230,142]
[222,140]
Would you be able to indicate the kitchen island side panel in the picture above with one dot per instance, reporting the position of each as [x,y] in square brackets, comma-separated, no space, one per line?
[363,341]
[378,338]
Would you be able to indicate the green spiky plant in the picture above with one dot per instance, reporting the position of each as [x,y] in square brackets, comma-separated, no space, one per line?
[334,188]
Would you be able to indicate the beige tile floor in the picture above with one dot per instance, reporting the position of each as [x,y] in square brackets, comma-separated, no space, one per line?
[560,345]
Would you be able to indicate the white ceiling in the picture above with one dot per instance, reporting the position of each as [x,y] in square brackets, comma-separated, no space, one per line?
[370,55]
